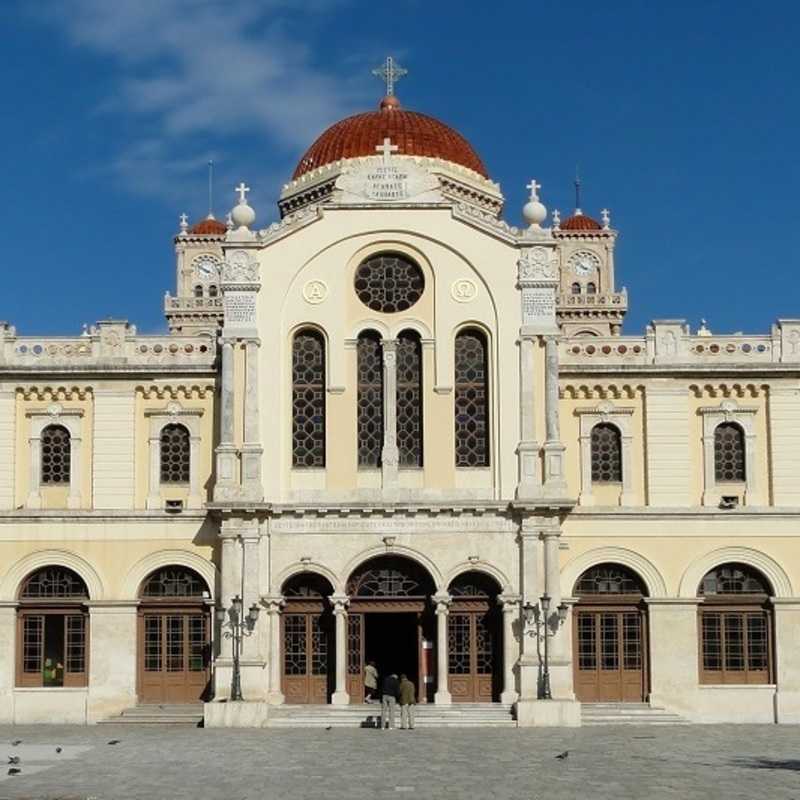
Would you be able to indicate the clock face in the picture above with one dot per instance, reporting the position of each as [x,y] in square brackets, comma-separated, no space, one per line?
[205,267]
[584,263]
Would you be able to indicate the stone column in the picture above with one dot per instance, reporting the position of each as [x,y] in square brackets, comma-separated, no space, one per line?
[34,485]
[75,475]
[250,583]
[531,589]
[442,697]
[390,456]
[554,475]
[230,586]
[227,482]
[251,449]
[529,478]
[340,602]
[510,605]
[274,604]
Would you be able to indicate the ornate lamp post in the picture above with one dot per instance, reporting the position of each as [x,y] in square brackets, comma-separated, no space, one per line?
[542,624]
[238,627]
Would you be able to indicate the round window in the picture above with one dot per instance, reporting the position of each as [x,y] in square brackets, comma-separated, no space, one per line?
[389,282]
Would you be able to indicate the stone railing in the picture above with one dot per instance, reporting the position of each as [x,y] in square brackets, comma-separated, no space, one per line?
[670,342]
[192,303]
[109,343]
[577,302]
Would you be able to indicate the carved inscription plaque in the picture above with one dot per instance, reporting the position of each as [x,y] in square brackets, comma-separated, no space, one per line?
[538,306]
[240,309]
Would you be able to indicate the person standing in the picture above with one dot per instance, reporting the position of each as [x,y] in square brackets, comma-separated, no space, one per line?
[370,682]
[390,689]
[408,697]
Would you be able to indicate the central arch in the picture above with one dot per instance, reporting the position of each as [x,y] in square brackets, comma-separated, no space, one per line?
[390,622]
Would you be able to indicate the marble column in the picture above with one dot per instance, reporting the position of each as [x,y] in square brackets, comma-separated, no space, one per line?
[390,455]
[531,590]
[554,473]
[274,604]
[251,449]
[340,602]
[230,586]
[442,697]
[510,605]
[529,479]
[227,482]
[560,641]
[250,585]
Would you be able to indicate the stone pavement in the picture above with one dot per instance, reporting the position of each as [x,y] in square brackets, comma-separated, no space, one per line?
[612,763]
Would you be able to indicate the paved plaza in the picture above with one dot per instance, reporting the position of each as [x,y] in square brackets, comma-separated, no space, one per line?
[173,763]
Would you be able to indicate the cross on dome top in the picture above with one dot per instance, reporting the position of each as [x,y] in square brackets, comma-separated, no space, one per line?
[242,189]
[534,187]
[389,72]
[386,149]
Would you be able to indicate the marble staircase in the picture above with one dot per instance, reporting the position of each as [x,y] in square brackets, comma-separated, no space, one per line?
[167,714]
[628,714]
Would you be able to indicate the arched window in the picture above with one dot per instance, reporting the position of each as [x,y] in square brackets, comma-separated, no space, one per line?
[198,290]
[308,399]
[390,576]
[609,579]
[591,288]
[212,290]
[52,629]
[471,399]
[576,288]
[409,399]
[389,282]
[729,460]
[735,626]
[175,454]
[56,453]
[369,422]
[606,445]
[174,582]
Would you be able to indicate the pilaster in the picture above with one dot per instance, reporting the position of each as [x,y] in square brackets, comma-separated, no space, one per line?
[390,455]
[340,602]
[442,697]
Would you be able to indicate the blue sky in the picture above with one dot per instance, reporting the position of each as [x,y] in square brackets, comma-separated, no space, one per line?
[683,117]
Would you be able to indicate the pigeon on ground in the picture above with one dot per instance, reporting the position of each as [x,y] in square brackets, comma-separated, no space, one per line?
[13,759]
[14,771]
[328,727]
[563,756]
[58,749]
[16,742]
[114,741]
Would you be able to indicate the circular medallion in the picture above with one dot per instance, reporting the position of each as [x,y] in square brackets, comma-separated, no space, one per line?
[389,282]
[463,290]
[315,292]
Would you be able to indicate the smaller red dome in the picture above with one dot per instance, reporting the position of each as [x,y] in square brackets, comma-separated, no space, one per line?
[209,227]
[580,222]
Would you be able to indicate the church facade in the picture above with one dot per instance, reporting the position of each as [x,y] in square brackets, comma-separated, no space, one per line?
[400,430]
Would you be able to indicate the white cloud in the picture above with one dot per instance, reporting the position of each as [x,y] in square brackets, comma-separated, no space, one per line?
[204,69]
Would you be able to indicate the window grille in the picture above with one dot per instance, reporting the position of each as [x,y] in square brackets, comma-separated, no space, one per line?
[606,448]
[175,454]
[729,459]
[728,579]
[471,400]
[370,400]
[308,400]
[390,577]
[307,585]
[409,399]
[56,448]
[389,283]
[174,582]
[50,583]
[609,579]
[473,584]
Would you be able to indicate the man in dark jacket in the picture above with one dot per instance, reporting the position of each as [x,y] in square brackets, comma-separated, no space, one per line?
[390,691]
[408,696]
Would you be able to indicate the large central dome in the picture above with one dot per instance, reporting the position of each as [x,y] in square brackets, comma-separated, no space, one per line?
[414,135]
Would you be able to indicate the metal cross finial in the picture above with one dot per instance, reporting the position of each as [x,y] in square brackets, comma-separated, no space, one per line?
[605,215]
[386,149]
[184,222]
[389,72]
[534,187]
[243,190]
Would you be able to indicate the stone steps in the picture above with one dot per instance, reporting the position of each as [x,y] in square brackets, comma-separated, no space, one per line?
[167,714]
[459,715]
[628,714]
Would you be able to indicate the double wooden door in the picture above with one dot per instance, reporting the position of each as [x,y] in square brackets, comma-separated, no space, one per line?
[610,654]
[174,654]
[308,653]
[472,634]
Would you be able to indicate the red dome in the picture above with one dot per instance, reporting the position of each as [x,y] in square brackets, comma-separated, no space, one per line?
[580,222]
[209,227]
[414,134]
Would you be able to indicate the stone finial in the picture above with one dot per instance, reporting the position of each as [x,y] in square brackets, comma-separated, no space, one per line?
[703,330]
[556,220]
[229,221]
[534,211]
[243,215]
[605,216]
[184,224]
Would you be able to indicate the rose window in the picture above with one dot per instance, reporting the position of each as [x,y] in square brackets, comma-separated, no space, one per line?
[389,283]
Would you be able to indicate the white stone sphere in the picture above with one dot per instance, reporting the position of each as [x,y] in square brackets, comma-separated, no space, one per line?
[242,215]
[534,212]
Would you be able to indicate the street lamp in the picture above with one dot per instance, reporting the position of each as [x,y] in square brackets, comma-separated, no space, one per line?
[238,626]
[542,624]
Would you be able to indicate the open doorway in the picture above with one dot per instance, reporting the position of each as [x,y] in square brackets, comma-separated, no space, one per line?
[392,642]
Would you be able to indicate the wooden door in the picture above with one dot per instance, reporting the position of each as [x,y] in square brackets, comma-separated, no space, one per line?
[470,655]
[355,657]
[609,652]
[173,655]
[307,656]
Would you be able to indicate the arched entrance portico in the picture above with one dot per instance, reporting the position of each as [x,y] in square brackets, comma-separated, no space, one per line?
[390,621]
[610,635]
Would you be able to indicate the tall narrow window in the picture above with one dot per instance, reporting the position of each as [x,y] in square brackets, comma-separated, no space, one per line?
[308,400]
[370,399]
[606,447]
[471,399]
[198,290]
[729,460]
[591,288]
[409,399]
[175,454]
[576,288]
[53,623]
[55,455]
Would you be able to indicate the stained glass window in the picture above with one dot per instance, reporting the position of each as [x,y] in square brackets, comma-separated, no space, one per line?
[609,579]
[174,582]
[369,355]
[389,283]
[729,461]
[409,399]
[606,447]
[308,400]
[175,454]
[471,400]
[55,455]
